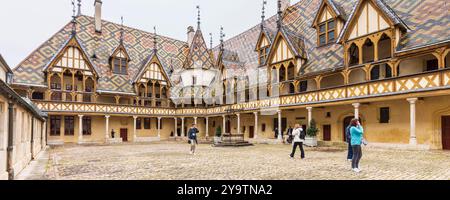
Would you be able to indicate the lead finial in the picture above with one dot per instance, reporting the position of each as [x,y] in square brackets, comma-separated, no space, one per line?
[222,35]
[79,8]
[121,30]
[210,40]
[263,15]
[74,28]
[155,41]
[198,17]
[279,15]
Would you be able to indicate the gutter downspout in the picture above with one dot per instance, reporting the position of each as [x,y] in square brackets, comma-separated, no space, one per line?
[10,147]
[32,139]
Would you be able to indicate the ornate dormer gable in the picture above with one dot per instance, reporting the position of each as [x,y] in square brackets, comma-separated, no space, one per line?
[198,55]
[71,56]
[371,34]
[328,22]
[369,17]
[286,46]
[119,60]
[263,46]
[152,70]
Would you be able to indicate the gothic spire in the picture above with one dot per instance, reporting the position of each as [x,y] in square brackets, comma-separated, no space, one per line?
[263,15]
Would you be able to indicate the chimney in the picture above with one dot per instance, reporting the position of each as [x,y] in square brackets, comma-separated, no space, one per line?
[190,35]
[98,16]
[285,4]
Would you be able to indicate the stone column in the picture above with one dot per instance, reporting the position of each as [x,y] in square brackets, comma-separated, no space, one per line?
[309,114]
[356,106]
[195,120]
[175,132]
[134,129]
[224,123]
[182,127]
[238,123]
[80,129]
[255,134]
[159,127]
[412,103]
[107,127]
[207,128]
[280,137]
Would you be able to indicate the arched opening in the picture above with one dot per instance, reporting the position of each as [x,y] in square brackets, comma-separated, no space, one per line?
[55,86]
[334,80]
[149,92]
[282,74]
[368,51]
[164,92]
[88,89]
[447,60]
[384,47]
[274,75]
[291,71]
[157,90]
[381,71]
[419,64]
[353,54]
[357,76]
[307,85]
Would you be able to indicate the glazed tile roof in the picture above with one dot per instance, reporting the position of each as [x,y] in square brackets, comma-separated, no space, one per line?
[428,23]
[138,43]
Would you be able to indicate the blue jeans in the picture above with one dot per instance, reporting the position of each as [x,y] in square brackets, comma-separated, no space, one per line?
[350,152]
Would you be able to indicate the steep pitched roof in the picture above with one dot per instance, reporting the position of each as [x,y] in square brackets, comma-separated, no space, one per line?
[199,55]
[4,64]
[146,62]
[137,42]
[340,13]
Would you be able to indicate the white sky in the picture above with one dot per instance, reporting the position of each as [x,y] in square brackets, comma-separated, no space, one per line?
[26,24]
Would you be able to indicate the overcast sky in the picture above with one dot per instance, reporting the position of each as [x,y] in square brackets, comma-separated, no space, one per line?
[26,24]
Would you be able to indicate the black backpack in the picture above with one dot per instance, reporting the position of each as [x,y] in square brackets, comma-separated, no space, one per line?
[302,134]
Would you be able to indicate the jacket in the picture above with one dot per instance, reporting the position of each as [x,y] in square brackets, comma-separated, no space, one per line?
[192,134]
[356,134]
[296,133]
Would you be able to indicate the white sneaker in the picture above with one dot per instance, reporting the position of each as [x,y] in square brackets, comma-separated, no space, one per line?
[356,170]
[360,170]
[349,160]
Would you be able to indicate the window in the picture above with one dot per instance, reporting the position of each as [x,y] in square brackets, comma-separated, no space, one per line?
[327,32]
[119,62]
[384,115]
[147,123]
[55,125]
[68,87]
[38,95]
[263,53]
[69,125]
[432,65]
[87,126]
[303,86]
[55,86]
[138,123]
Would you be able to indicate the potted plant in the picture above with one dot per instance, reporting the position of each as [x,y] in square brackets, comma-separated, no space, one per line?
[217,137]
[311,134]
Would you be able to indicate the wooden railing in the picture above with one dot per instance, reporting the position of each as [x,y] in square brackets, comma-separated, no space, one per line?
[427,81]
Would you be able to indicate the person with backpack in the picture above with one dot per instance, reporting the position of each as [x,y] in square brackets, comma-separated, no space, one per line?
[299,138]
[356,132]
[349,139]
[192,134]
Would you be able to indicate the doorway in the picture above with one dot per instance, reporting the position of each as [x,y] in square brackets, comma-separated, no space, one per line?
[251,133]
[326,132]
[446,132]
[124,134]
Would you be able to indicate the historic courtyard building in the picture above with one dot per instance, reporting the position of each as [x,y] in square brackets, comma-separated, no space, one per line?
[385,61]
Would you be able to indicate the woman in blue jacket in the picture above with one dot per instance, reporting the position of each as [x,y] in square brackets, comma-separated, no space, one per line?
[356,132]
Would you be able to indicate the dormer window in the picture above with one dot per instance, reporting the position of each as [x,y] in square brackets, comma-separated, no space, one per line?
[327,32]
[263,53]
[119,61]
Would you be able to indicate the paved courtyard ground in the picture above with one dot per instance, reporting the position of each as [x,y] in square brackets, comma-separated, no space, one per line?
[170,160]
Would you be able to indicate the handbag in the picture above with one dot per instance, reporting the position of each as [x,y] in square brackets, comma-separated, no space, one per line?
[365,142]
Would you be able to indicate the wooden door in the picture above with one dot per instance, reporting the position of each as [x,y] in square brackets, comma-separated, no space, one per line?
[446,132]
[251,133]
[228,127]
[326,132]
[347,121]
[124,134]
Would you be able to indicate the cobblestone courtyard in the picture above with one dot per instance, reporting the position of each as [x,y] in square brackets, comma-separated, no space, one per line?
[170,160]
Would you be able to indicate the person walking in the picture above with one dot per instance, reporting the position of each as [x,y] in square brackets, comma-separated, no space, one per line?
[349,142]
[192,135]
[356,132]
[275,133]
[289,134]
[299,138]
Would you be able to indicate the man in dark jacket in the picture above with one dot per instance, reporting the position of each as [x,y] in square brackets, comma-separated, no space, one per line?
[192,135]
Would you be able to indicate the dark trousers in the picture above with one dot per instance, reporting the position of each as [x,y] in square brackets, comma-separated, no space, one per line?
[357,155]
[350,152]
[300,144]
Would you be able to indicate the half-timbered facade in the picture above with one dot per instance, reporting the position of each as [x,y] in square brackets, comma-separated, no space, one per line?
[385,61]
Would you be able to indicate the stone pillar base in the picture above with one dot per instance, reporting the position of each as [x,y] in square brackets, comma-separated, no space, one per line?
[413,141]
[113,140]
[147,139]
